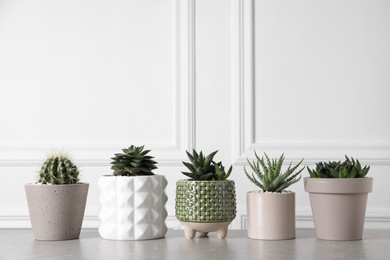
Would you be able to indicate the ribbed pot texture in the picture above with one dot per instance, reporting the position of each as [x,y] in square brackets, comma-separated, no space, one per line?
[205,201]
[271,216]
[56,211]
[132,208]
[338,206]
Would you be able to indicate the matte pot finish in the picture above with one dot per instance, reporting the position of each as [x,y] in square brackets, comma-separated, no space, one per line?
[56,211]
[271,216]
[338,206]
[132,208]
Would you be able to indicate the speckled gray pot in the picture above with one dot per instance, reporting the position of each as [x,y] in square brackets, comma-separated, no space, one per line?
[56,211]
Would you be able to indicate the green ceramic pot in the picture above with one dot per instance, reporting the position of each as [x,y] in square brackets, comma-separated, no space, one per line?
[205,201]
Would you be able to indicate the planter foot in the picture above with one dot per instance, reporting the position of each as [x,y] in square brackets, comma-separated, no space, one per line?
[204,234]
[190,229]
[221,233]
[189,233]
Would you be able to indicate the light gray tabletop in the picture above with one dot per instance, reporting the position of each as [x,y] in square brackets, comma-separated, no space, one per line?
[19,244]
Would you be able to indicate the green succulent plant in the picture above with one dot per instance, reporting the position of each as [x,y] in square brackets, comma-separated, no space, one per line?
[58,169]
[350,168]
[134,161]
[268,176]
[204,168]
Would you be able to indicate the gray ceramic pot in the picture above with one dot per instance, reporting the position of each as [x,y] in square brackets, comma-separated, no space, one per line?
[56,211]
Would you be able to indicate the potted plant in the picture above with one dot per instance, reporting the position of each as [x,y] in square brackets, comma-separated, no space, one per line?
[338,195]
[132,200]
[271,210]
[57,201]
[207,201]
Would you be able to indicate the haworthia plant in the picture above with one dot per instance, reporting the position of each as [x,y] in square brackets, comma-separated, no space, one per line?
[205,168]
[268,176]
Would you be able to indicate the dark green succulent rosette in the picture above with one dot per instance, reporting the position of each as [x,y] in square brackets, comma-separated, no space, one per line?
[134,161]
[350,168]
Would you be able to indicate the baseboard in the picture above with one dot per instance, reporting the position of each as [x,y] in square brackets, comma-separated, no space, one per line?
[375,219]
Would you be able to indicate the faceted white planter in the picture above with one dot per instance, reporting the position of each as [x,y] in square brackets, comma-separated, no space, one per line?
[271,215]
[132,208]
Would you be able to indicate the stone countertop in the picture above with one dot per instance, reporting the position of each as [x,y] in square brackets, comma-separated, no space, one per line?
[20,244]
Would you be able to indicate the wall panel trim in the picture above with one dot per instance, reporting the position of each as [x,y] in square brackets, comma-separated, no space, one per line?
[183,22]
[243,107]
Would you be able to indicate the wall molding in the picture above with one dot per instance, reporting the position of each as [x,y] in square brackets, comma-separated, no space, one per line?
[168,154]
[243,107]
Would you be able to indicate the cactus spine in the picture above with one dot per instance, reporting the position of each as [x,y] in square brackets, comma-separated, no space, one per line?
[58,169]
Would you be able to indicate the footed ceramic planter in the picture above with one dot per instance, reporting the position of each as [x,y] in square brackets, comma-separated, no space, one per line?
[56,211]
[132,208]
[338,206]
[271,216]
[205,206]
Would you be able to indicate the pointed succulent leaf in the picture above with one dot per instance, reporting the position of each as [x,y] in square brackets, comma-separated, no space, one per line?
[272,178]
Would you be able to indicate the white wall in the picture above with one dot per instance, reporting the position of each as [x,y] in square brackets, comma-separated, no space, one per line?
[306,78]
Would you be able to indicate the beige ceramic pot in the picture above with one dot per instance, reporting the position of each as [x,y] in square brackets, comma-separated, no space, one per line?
[338,206]
[56,211]
[271,216]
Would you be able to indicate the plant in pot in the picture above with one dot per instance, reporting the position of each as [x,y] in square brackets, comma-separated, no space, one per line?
[338,195]
[271,210]
[132,200]
[57,201]
[207,201]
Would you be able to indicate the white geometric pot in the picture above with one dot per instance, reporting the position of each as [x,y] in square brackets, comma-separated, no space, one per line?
[132,208]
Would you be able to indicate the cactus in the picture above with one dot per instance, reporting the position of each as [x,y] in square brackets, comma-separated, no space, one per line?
[204,168]
[347,169]
[272,179]
[133,161]
[58,169]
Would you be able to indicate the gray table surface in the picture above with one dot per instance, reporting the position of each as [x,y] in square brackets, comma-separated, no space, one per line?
[20,244]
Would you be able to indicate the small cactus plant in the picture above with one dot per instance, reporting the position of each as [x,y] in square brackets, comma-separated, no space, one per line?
[204,168]
[134,161]
[347,169]
[272,179]
[58,169]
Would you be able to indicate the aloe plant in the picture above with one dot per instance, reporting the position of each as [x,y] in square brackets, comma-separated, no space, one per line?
[134,161]
[58,169]
[205,168]
[268,176]
[350,168]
